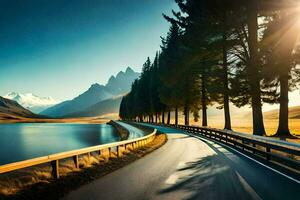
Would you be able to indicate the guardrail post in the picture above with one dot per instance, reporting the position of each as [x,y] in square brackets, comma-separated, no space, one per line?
[89,157]
[55,168]
[134,145]
[75,159]
[254,146]
[243,143]
[268,150]
[119,151]
[109,153]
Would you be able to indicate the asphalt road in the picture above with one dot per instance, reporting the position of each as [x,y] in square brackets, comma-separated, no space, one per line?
[133,131]
[190,168]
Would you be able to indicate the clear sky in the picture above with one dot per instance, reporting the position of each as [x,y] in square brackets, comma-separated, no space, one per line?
[58,48]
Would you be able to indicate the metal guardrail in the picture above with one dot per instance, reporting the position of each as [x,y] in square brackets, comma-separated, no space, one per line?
[54,159]
[282,153]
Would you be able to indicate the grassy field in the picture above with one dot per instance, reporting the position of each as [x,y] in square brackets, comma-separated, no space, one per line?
[244,125]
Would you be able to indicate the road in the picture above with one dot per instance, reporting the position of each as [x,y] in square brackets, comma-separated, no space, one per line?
[133,131]
[190,168]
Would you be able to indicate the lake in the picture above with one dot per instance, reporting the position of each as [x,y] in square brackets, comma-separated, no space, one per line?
[23,141]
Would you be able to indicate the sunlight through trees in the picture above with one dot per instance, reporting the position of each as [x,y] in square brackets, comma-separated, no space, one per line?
[217,52]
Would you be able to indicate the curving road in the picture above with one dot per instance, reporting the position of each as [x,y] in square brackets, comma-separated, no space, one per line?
[133,131]
[190,168]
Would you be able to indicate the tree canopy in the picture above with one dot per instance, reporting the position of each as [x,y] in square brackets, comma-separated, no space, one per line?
[221,52]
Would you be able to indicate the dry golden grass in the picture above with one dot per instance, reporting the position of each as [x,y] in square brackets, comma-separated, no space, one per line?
[12,182]
[243,124]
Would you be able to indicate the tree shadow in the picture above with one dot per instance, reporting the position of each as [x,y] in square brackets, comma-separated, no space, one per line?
[211,177]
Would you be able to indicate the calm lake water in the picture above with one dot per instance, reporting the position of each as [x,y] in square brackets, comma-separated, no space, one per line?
[29,140]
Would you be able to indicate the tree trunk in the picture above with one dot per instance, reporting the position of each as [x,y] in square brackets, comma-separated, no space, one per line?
[257,116]
[155,117]
[203,102]
[186,116]
[176,116]
[283,127]
[163,117]
[169,117]
[225,82]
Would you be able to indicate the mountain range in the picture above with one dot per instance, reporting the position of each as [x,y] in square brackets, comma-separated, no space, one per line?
[31,101]
[97,98]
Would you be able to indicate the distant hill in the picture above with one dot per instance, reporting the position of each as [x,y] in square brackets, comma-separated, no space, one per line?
[101,108]
[294,113]
[116,86]
[93,95]
[31,101]
[10,109]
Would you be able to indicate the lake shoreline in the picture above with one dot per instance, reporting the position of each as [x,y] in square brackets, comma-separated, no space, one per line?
[82,120]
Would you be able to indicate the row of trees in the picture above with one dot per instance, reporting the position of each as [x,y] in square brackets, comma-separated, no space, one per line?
[217,52]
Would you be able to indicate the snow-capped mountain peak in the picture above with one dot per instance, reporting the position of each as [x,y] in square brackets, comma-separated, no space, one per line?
[31,101]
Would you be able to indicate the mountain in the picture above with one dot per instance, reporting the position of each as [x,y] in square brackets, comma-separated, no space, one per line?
[121,83]
[101,108]
[31,102]
[93,95]
[116,85]
[10,109]
[294,113]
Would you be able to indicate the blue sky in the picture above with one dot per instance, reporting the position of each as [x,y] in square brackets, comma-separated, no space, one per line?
[59,48]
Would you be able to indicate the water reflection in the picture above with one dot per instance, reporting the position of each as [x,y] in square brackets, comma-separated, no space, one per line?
[24,141]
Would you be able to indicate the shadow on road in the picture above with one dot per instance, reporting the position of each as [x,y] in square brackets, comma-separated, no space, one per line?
[224,176]
[209,178]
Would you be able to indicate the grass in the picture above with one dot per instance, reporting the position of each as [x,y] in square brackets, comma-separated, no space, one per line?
[37,182]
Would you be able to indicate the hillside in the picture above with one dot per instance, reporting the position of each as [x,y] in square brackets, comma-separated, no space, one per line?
[10,109]
[104,107]
[116,86]
[93,95]
[294,113]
